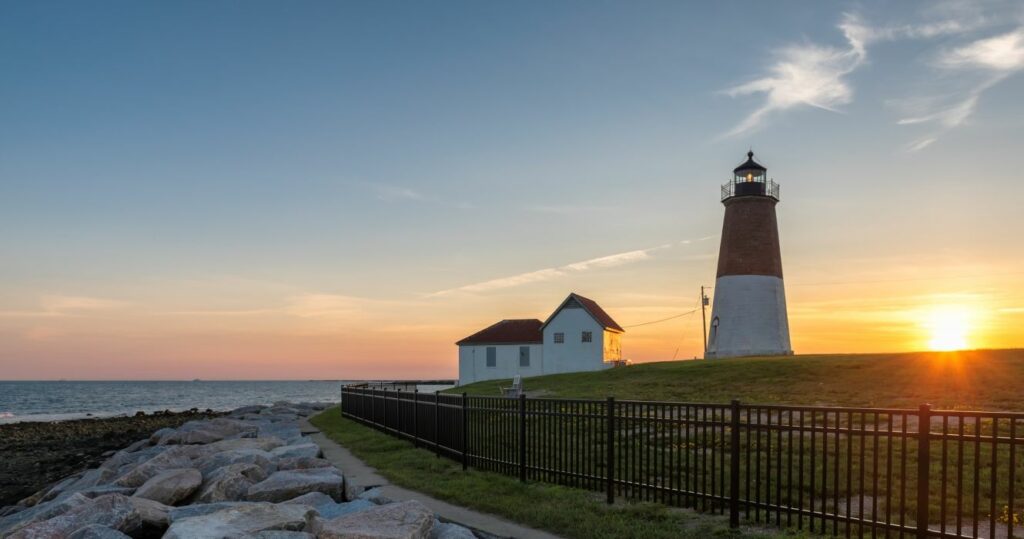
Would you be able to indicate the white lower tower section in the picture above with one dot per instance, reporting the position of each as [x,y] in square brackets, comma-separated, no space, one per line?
[748,317]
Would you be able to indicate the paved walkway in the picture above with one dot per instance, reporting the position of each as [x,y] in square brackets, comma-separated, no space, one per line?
[359,473]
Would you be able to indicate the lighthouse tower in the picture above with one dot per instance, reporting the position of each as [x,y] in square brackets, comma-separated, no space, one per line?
[748,317]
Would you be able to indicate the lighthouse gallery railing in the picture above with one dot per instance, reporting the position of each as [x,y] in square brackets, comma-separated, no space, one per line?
[827,470]
[771,188]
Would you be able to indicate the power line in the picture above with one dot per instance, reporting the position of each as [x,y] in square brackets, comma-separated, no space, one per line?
[663,319]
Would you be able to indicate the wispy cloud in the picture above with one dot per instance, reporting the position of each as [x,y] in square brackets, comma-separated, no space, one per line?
[814,75]
[393,193]
[983,63]
[59,305]
[569,209]
[546,274]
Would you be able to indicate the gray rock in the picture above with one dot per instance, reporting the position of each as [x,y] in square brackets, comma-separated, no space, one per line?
[275,534]
[230,483]
[168,460]
[110,511]
[287,431]
[200,509]
[266,443]
[206,431]
[258,457]
[302,463]
[242,521]
[374,495]
[447,530]
[172,486]
[154,515]
[327,508]
[405,520]
[40,512]
[308,449]
[246,410]
[288,484]
[96,531]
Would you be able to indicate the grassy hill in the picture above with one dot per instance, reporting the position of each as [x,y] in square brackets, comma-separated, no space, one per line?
[979,379]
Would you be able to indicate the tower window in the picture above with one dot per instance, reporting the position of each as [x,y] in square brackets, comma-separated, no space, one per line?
[559,338]
[588,336]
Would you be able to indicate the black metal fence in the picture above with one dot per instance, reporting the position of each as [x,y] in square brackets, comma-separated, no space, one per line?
[828,470]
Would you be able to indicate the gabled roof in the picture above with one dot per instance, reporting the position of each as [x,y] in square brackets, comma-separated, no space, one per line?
[508,332]
[593,309]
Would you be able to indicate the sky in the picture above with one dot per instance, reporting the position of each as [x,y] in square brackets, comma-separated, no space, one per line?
[293,190]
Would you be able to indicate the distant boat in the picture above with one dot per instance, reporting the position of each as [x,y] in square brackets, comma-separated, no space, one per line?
[197,380]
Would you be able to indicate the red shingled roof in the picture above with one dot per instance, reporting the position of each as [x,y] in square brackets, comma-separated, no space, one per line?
[508,332]
[593,309]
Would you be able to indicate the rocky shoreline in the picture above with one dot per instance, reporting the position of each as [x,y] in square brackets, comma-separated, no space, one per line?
[250,473]
[36,454]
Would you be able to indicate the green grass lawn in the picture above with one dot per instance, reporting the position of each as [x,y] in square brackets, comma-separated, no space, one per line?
[980,379]
[561,510]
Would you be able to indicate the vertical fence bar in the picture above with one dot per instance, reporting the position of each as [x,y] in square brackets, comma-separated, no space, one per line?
[734,466]
[522,438]
[924,427]
[465,431]
[437,433]
[610,456]
[416,417]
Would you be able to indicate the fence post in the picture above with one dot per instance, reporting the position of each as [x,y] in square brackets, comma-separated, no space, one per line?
[610,467]
[734,466]
[416,417]
[522,438]
[373,407]
[924,428]
[465,427]
[437,433]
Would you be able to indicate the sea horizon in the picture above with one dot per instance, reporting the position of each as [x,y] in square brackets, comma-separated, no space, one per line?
[62,400]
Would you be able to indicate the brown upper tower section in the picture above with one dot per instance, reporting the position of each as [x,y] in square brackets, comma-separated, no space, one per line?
[750,232]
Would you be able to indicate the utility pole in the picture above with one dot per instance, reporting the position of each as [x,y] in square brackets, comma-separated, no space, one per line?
[704,319]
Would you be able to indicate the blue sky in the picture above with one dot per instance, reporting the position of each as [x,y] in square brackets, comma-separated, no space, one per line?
[323,172]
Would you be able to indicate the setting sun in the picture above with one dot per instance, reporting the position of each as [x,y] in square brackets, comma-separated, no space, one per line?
[948,328]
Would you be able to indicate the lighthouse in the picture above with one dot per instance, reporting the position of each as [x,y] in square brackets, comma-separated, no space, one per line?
[748,317]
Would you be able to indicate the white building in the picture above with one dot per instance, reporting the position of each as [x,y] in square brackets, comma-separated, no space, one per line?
[578,336]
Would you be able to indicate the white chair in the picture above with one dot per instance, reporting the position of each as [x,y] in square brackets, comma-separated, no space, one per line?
[516,389]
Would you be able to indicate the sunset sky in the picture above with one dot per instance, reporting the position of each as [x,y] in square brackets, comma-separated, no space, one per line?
[238,190]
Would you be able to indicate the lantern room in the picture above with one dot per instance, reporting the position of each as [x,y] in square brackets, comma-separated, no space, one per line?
[750,179]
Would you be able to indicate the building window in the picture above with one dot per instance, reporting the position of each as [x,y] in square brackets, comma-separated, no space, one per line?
[588,336]
[492,356]
[524,356]
[559,338]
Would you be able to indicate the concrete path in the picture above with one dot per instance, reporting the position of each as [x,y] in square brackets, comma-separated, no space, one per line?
[359,473]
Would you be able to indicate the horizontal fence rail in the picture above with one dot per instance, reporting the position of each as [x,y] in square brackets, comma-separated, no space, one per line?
[828,470]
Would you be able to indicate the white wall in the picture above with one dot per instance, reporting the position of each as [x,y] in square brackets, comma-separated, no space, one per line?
[573,355]
[473,362]
[752,321]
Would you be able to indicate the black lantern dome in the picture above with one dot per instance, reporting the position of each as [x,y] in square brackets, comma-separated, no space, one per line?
[750,179]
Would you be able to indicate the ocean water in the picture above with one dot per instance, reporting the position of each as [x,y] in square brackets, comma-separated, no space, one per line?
[53,401]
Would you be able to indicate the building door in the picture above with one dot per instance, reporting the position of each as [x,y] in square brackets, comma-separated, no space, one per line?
[524,356]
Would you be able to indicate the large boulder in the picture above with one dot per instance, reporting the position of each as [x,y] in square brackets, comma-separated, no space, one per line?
[155,516]
[302,463]
[243,520]
[327,508]
[286,431]
[111,511]
[229,483]
[258,457]
[447,530]
[172,486]
[96,531]
[286,485]
[307,449]
[168,460]
[405,520]
[264,443]
[40,512]
[200,509]
[207,431]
